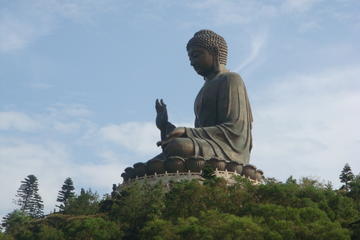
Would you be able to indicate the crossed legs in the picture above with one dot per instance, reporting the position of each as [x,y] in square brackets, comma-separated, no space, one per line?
[182,147]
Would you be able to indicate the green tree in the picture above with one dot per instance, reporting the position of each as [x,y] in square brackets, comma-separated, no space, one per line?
[65,194]
[29,200]
[46,232]
[85,204]
[158,229]
[16,223]
[93,228]
[5,237]
[346,177]
[354,190]
[291,180]
[137,205]
[205,210]
[215,225]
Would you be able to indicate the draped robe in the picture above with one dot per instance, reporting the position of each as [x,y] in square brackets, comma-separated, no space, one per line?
[223,119]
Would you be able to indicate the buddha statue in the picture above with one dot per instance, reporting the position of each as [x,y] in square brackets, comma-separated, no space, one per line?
[223,118]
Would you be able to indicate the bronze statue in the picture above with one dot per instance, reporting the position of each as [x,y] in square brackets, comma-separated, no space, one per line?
[223,115]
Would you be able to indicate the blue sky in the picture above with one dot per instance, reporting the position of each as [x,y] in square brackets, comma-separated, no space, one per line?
[78,81]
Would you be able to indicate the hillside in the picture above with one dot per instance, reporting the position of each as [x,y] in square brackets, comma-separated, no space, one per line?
[306,210]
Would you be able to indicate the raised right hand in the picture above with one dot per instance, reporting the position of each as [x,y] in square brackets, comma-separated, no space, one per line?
[161,116]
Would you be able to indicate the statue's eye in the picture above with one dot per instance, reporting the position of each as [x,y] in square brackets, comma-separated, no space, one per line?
[196,54]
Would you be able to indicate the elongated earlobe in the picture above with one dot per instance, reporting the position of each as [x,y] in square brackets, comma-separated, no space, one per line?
[216,63]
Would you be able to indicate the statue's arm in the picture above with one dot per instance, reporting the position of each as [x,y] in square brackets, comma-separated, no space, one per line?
[168,129]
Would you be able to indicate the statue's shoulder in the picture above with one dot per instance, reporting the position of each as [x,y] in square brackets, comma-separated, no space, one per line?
[232,78]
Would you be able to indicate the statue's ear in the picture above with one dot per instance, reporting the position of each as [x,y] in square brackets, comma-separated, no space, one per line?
[216,62]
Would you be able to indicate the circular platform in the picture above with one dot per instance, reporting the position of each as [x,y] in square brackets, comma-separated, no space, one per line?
[166,178]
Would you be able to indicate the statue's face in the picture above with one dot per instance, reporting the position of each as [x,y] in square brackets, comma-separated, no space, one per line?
[202,60]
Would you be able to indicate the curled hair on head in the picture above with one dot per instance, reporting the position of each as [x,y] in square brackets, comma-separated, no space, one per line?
[212,42]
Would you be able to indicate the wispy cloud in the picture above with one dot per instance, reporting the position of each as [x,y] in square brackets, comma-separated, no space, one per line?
[51,163]
[22,22]
[17,121]
[298,5]
[257,43]
[139,137]
[233,12]
[50,150]
[308,124]
[69,110]
[15,34]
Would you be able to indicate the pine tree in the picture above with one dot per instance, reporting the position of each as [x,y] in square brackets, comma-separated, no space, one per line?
[66,193]
[29,200]
[346,177]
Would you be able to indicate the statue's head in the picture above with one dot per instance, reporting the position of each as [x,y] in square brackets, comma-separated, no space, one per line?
[209,43]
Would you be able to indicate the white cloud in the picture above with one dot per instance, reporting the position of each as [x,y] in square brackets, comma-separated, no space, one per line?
[308,125]
[15,34]
[17,121]
[233,12]
[60,111]
[51,152]
[67,127]
[19,159]
[257,43]
[140,137]
[51,163]
[22,22]
[101,176]
[298,5]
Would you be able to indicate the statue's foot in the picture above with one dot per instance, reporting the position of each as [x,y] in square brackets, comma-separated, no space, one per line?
[159,157]
[195,164]
[156,165]
[233,166]
[174,164]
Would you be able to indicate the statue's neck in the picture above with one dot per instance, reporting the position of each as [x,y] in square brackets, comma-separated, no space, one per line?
[221,68]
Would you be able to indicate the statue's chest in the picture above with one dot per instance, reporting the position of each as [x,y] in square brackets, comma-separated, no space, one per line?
[206,102]
[209,96]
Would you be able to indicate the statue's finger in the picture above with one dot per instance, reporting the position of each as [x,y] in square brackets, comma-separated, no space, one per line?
[162,103]
[158,105]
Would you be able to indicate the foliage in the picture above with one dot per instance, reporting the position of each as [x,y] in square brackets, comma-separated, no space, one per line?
[29,199]
[86,203]
[65,194]
[354,190]
[208,172]
[304,210]
[137,205]
[5,237]
[61,227]
[93,228]
[346,176]
[16,222]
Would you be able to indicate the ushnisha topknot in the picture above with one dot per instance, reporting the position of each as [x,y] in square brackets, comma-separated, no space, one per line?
[212,42]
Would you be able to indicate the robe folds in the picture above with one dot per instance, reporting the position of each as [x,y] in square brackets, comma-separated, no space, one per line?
[223,119]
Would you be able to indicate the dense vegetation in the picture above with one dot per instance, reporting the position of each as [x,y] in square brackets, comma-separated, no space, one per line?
[304,210]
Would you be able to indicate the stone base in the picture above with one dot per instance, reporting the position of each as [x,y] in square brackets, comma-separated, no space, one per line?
[190,168]
[166,178]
